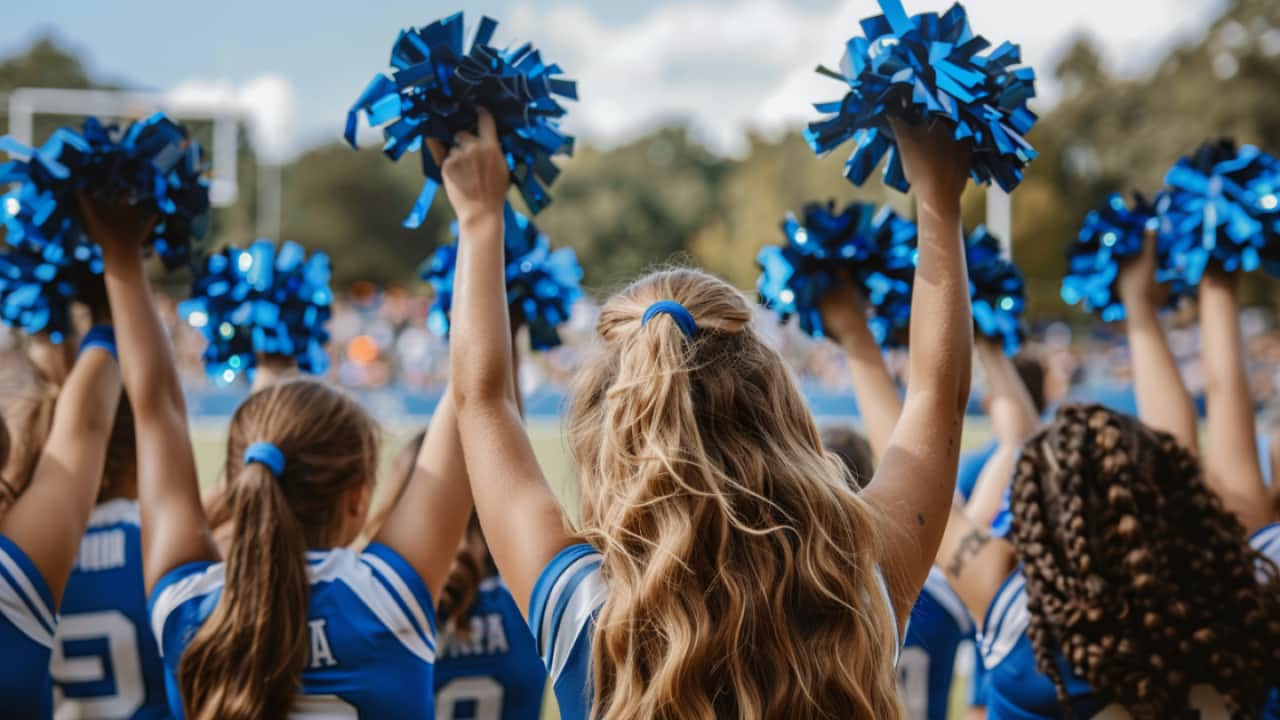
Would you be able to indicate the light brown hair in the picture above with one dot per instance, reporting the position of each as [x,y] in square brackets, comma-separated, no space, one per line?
[741,564]
[247,660]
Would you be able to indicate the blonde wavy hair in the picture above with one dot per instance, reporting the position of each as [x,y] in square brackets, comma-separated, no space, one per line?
[741,565]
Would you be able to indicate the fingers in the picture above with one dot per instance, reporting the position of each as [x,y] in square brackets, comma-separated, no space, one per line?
[465,140]
[488,127]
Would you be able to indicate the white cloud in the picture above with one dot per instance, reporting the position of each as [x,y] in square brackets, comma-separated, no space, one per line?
[729,67]
[269,102]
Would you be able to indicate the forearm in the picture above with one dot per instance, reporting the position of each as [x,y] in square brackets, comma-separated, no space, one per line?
[879,403]
[481,362]
[146,359]
[994,480]
[1013,412]
[1164,403]
[942,320]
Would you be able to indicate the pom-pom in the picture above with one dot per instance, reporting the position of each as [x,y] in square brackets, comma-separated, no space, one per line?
[924,69]
[542,284]
[997,290]
[1222,208]
[261,301]
[151,163]
[37,290]
[435,89]
[873,249]
[1111,236]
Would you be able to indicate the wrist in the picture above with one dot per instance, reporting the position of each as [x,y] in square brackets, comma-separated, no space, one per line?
[479,217]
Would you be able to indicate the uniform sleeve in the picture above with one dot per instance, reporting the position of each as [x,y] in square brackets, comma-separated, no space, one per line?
[562,617]
[179,605]
[406,587]
[26,604]
[1267,542]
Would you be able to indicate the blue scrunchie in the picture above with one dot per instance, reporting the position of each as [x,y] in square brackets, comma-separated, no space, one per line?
[100,336]
[265,454]
[683,318]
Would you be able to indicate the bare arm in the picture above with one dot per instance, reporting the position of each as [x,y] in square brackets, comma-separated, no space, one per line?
[1231,458]
[975,563]
[844,317]
[53,360]
[174,529]
[503,470]
[915,481]
[48,520]
[1164,402]
[1013,418]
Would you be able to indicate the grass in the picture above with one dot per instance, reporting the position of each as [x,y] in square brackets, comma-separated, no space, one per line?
[209,441]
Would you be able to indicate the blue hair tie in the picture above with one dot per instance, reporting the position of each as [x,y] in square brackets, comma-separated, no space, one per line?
[677,312]
[265,454]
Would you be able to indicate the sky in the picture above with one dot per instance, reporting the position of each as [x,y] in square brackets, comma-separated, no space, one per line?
[722,67]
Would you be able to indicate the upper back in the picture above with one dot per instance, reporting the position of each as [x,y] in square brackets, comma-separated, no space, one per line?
[105,659]
[371,623]
[496,669]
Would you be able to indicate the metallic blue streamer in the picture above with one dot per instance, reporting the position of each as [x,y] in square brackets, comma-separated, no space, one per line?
[542,284]
[928,68]
[261,301]
[997,291]
[433,93]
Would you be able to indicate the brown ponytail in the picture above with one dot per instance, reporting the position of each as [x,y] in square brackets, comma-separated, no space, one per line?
[247,660]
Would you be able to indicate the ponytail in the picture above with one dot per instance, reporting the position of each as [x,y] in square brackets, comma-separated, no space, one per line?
[246,661]
[471,566]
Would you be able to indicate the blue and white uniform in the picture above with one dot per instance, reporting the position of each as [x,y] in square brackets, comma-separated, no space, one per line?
[27,623]
[939,624]
[105,660]
[1018,691]
[372,626]
[562,614]
[495,673]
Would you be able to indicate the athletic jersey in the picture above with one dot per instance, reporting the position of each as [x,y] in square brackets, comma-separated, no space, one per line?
[495,674]
[105,660]
[939,623]
[1018,691]
[372,627]
[562,614]
[27,622]
[970,468]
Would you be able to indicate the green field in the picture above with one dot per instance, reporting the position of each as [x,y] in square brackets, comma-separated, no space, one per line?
[209,439]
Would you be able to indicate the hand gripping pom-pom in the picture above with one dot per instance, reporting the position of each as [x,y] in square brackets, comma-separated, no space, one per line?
[433,93]
[997,290]
[261,301]
[542,284]
[929,68]
[1222,209]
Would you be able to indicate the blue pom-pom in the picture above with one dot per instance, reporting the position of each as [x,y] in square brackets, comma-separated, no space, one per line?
[37,290]
[435,89]
[1222,208]
[1111,236]
[261,301]
[997,290]
[873,249]
[542,284]
[923,69]
[151,163]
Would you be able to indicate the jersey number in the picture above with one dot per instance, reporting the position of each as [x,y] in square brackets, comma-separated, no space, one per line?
[483,693]
[913,682]
[118,666]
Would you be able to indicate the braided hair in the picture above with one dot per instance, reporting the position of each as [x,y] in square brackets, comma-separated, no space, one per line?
[1135,573]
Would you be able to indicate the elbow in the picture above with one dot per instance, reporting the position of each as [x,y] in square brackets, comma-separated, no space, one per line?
[476,384]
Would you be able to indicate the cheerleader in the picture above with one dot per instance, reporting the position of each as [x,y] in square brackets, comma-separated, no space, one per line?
[724,566]
[321,630]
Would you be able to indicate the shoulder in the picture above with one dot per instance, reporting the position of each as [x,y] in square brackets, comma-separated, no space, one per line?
[565,598]
[172,604]
[1006,621]
[382,584]
[25,600]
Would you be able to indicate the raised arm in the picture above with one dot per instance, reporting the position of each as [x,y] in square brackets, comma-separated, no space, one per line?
[521,518]
[975,563]
[1013,419]
[916,479]
[48,520]
[174,529]
[1164,402]
[1231,457]
[844,317]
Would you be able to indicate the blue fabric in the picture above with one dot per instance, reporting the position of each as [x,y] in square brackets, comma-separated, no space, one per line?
[371,621]
[27,623]
[102,336]
[971,464]
[939,623]
[104,626]
[677,312]
[562,612]
[265,454]
[496,672]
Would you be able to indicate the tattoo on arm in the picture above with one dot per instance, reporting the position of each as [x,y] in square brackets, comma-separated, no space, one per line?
[969,548]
